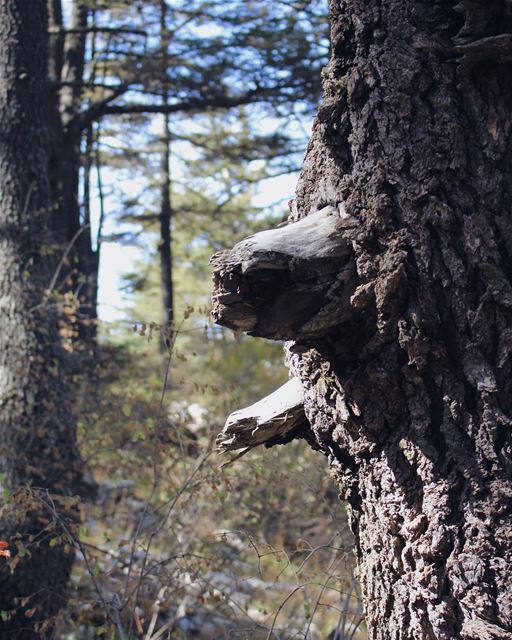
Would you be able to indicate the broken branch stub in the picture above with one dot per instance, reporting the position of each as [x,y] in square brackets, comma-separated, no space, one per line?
[288,283]
[268,421]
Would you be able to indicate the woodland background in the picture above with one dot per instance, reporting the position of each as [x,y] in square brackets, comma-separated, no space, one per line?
[176,119]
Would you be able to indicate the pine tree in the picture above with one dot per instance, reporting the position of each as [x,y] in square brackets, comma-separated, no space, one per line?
[110,64]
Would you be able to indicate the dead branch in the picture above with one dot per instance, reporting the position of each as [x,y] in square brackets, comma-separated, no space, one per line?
[271,419]
[292,282]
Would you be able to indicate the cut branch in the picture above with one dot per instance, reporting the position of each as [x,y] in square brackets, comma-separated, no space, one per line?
[272,420]
[292,282]
[497,48]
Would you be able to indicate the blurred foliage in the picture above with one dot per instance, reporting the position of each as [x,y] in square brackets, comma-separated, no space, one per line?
[255,549]
[229,551]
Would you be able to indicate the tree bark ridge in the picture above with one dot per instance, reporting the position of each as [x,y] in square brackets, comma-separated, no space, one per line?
[417,147]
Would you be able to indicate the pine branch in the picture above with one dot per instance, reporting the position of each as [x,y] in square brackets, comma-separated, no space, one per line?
[104,107]
[96,29]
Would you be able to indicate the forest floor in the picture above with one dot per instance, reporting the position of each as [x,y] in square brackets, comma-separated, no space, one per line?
[180,545]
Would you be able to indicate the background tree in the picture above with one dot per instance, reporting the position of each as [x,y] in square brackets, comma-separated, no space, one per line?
[105,68]
[39,463]
[402,333]
[165,242]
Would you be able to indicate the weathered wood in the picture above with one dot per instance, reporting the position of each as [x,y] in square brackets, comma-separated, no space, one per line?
[289,282]
[269,420]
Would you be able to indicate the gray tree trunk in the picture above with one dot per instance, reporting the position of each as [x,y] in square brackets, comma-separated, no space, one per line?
[414,138]
[409,394]
[165,241]
[39,463]
[165,213]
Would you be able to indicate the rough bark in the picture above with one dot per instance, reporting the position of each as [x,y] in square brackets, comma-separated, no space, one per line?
[38,456]
[413,140]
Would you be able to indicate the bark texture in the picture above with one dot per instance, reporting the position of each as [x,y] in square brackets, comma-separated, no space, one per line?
[38,456]
[413,139]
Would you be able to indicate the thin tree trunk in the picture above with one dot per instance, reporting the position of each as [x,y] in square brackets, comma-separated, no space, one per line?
[89,255]
[39,462]
[66,156]
[65,163]
[101,221]
[91,293]
[165,245]
[56,41]
[165,215]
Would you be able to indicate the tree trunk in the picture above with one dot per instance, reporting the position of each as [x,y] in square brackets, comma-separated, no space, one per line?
[67,59]
[410,396]
[39,463]
[414,139]
[90,160]
[165,244]
[56,41]
[165,215]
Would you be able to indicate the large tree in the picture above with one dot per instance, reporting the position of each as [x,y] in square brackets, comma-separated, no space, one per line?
[39,464]
[394,289]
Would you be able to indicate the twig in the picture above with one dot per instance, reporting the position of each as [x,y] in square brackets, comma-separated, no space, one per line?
[96,29]
[56,275]
[77,542]
[292,593]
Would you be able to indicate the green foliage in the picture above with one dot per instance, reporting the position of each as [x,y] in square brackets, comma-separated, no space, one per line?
[273,518]
[221,68]
[214,50]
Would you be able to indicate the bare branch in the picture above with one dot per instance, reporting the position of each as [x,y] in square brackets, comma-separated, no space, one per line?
[96,29]
[201,103]
[292,282]
[269,420]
